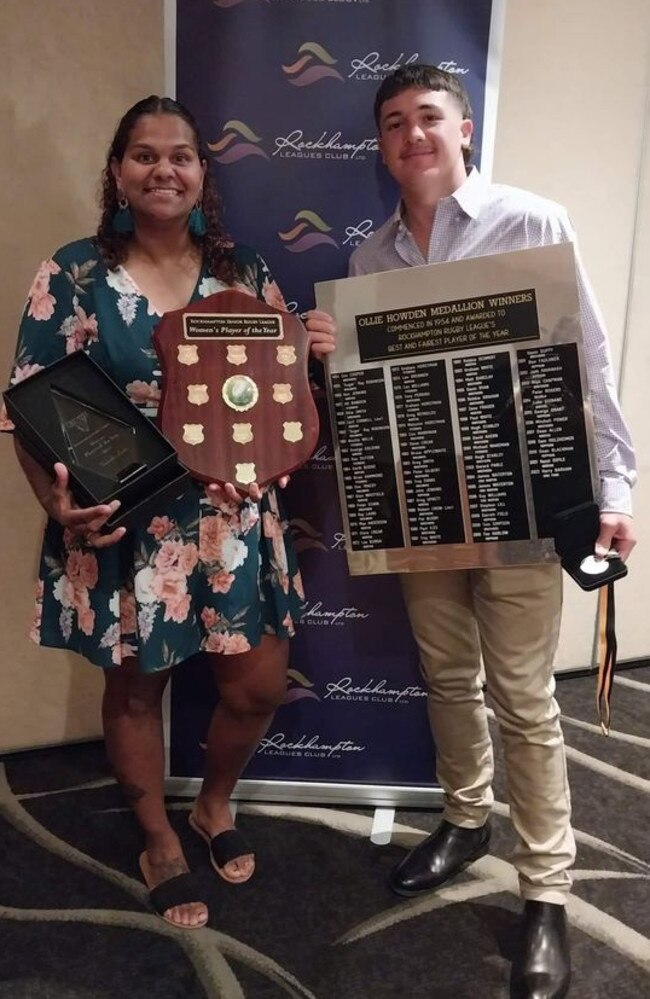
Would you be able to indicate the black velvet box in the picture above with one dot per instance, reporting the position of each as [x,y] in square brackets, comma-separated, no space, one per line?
[575,533]
[72,412]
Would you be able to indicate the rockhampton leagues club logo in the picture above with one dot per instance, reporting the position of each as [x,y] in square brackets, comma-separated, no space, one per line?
[300,145]
[322,460]
[237,142]
[317,614]
[311,230]
[306,745]
[346,688]
[313,64]
[305,535]
[376,65]
[378,691]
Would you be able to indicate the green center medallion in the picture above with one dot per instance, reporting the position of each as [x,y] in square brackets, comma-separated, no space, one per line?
[240,392]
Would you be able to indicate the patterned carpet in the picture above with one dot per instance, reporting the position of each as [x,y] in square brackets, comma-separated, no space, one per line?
[317,921]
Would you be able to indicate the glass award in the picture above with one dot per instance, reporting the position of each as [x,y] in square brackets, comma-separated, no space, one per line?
[72,412]
[97,441]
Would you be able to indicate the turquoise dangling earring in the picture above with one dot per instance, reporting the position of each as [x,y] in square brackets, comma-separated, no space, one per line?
[197,221]
[122,221]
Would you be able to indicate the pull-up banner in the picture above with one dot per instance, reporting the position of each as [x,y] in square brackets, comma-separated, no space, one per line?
[283,91]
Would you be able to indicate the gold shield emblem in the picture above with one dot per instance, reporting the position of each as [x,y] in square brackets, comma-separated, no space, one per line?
[188,353]
[282,392]
[245,473]
[197,394]
[193,433]
[242,433]
[286,355]
[292,431]
[236,353]
[240,392]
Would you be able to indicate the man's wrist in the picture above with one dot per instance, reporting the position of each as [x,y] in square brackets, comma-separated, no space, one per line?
[615,496]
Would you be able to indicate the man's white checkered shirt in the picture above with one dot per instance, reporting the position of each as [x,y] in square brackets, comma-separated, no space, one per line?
[480,219]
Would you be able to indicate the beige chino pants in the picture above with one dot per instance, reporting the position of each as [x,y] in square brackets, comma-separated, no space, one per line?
[512,617]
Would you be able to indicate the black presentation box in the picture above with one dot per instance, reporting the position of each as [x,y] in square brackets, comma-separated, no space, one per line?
[72,412]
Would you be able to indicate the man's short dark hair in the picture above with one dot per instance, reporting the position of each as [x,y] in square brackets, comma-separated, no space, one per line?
[420,76]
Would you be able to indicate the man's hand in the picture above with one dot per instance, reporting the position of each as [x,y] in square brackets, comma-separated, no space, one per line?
[84,523]
[617,534]
[322,332]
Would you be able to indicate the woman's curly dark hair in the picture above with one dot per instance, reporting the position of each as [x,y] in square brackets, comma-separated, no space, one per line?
[216,245]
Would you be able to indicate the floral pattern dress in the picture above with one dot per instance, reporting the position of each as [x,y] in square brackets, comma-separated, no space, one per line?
[200,575]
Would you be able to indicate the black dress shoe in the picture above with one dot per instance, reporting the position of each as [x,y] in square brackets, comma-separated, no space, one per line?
[438,858]
[543,968]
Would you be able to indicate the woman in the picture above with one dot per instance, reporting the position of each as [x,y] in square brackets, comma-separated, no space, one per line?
[209,571]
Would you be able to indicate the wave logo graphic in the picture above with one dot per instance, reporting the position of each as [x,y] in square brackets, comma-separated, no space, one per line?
[314,63]
[310,231]
[299,688]
[305,535]
[237,142]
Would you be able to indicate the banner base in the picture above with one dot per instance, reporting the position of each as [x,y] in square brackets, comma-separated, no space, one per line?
[318,793]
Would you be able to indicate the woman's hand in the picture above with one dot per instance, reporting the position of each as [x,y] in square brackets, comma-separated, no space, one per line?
[322,332]
[85,523]
[226,492]
[59,503]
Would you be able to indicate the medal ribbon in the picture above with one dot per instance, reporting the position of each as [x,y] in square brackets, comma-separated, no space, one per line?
[606,654]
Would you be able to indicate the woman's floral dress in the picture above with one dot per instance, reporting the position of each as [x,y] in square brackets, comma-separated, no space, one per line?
[197,576]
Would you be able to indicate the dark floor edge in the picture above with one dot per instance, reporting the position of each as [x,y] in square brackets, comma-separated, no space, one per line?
[6,755]
[625,664]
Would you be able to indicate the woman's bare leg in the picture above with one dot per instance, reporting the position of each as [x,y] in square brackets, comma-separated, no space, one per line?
[132,716]
[251,685]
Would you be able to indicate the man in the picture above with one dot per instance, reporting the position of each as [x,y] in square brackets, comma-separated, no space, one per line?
[510,615]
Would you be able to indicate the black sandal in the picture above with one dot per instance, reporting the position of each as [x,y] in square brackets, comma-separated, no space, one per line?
[183,889]
[224,847]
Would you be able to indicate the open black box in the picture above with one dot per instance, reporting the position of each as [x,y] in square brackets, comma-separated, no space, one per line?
[72,412]
[575,532]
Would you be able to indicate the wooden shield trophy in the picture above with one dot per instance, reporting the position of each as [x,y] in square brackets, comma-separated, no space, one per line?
[236,402]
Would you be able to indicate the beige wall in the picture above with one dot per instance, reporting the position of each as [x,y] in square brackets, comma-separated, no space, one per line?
[634,594]
[71,67]
[566,130]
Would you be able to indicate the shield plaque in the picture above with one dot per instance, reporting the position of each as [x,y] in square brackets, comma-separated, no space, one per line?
[235,377]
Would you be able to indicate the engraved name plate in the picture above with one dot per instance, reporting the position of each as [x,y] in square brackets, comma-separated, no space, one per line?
[462,422]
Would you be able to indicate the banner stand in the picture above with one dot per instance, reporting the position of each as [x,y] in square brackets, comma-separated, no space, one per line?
[303,184]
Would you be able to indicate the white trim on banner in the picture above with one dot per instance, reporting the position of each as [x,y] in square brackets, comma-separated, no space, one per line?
[169,34]
[492,81]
